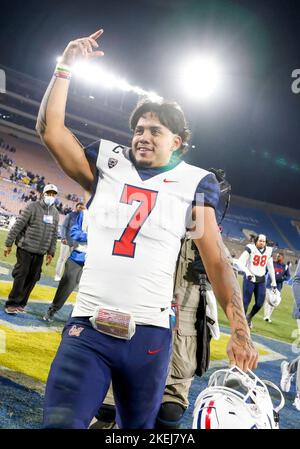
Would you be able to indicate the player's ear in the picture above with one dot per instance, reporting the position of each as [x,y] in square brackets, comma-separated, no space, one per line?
[177,142]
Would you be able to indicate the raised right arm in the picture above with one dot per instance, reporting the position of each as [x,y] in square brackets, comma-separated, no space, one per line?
[59,140]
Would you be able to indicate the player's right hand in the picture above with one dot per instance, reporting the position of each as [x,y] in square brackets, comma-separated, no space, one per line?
[241,350]
[7,250]
[82,48]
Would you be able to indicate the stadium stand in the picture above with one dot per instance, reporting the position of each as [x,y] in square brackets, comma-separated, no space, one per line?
[29,156]
[90,115]
[291,228]
[247,217]
[241,220]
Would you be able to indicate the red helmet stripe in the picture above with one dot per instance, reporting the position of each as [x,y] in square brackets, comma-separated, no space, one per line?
[208,417]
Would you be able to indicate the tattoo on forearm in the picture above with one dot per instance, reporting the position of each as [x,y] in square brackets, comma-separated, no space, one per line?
[241,338]
[240,335]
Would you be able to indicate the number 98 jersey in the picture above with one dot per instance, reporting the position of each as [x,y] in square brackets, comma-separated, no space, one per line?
[258,259]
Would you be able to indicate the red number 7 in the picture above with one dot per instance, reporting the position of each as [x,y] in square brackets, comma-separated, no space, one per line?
[125,246]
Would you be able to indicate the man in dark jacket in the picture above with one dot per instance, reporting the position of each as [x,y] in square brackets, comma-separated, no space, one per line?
[35,234]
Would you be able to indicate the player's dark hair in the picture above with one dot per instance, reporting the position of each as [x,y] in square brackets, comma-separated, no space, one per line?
[170,115]
[257,237]
[79,204]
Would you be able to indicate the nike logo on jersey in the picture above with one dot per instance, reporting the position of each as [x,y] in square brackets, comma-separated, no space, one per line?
[155,351]
[167,180]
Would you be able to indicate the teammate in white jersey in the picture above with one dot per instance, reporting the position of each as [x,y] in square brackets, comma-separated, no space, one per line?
[255,261]
[143,199]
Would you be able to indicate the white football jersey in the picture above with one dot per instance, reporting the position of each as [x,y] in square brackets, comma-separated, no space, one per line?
[256,260]
[135,228]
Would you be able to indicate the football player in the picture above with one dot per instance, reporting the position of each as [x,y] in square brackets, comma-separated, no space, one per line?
[143,199]
[255,261]
[288,371]
[282,274]
[296,293]
[292,368]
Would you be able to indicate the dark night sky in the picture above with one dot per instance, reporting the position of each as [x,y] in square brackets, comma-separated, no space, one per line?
[252,130]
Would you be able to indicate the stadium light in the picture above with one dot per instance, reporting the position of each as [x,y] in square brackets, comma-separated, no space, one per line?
[201,77]
[153,97]
[98,75]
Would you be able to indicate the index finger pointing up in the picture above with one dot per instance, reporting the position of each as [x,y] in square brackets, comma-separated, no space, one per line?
[96,34]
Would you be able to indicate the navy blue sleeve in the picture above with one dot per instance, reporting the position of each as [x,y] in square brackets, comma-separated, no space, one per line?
[248,249]
[210,188]
[91,152]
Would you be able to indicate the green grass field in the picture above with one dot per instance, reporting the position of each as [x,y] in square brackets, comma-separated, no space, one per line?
[281,327]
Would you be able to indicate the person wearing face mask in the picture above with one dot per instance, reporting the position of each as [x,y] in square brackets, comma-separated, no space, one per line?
[35,234]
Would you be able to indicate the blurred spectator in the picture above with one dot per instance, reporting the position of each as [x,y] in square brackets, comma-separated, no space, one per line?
[35,234]
[73,266]
[67,242]
[40,184]
[73,197]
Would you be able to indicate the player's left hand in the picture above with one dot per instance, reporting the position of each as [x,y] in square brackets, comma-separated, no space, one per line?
[48,259]
[241,351]
[274,289]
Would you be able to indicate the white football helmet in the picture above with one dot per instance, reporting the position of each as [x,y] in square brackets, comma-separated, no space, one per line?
[273,297]
[212,314]
[236,400]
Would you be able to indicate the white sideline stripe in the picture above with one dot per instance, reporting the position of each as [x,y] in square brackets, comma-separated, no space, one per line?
[18,328]
[261,358]
[41,301]
[4,271]
[263,336]
[273,355]
[38,301]
[37,285]
[22,379]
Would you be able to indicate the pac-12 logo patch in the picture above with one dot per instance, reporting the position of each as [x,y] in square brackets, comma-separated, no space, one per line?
[112,162]
[75,331]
